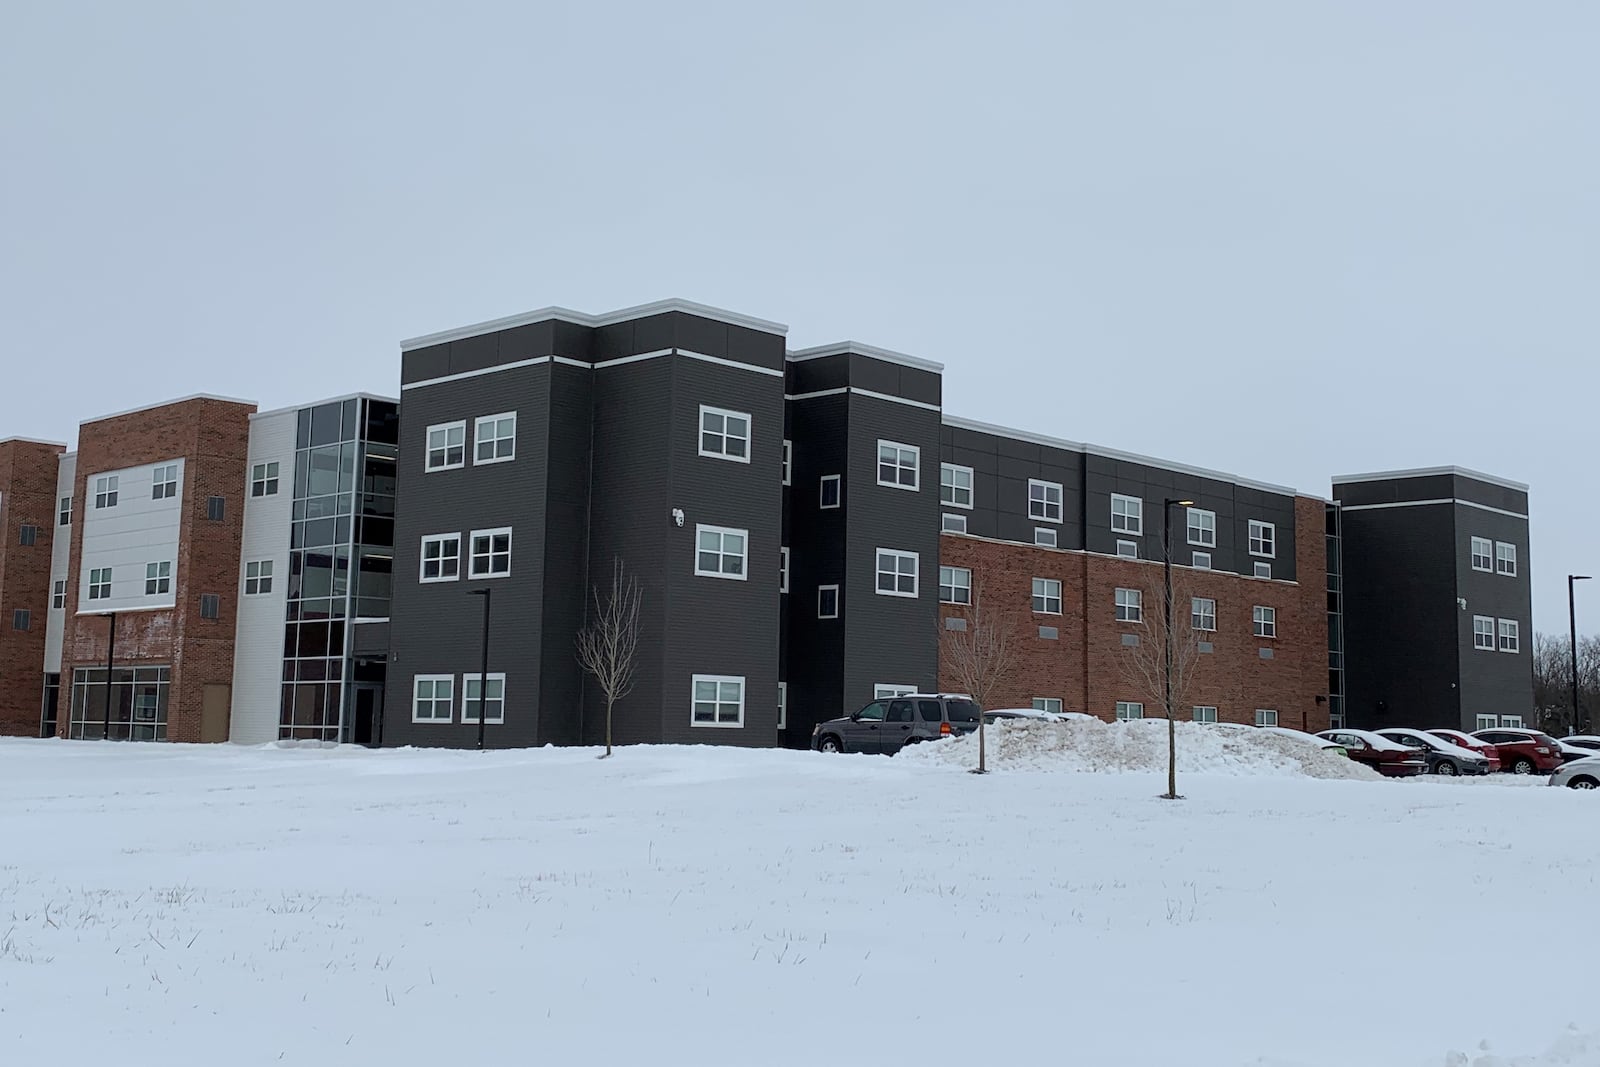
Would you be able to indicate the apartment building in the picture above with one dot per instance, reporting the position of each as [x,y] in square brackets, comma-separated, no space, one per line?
[29,534]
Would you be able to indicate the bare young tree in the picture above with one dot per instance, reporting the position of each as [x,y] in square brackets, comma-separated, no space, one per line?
[608,645]
[1144,666]
[978,654]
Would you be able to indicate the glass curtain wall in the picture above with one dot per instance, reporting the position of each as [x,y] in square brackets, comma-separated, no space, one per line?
[138,703]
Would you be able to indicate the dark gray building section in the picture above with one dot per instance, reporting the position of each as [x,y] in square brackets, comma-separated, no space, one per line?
[1411,594]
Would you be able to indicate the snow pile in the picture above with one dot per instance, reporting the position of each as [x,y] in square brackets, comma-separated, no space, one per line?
[1574,1049]
[1084,743]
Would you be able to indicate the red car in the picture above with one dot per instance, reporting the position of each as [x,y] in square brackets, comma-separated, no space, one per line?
[1524,751]
[1389,758]
[1476,744]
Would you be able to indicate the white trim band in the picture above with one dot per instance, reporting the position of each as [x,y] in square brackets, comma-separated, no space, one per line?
[570,362]
[843,389]
[1429,503]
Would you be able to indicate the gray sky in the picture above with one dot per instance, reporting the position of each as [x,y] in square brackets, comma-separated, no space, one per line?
[1287,240]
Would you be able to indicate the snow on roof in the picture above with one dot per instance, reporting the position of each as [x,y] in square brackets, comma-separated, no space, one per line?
[1377,741]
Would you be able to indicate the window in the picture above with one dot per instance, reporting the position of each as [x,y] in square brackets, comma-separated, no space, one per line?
[441,558]
[828,492]
[1129,709]
[898,465]
[1483,632]
[216,507]
[725,434]
[21,619]
[718,700]
[897,572]
[1205,713]
[1201,561]
[1482,554]
[58,594]
[954,524]
[1047,596]
[100,583]
[827,602]
[783,705]
[264,479]
[720,552]
[1130,605]
[1044,500]
[1127,514]
[1505,559]
[157,578]
[955,485]
[1511,722]
[433,698]
[1202,527]
[494,440]
[1202,613]
[1263,538]
[105,491]
[1128,549]
[1044,537]
[1050,704]
[491,553]
[1266,717]
[470,686]
[165,483]
[64,511]
[783,569]
[788,461]
[1488,722]
[1509,638]
[28,535]
[1263,570]
[955,585]
[447,446]
[888,690]
[210,605]
[1266,621]
[258,577]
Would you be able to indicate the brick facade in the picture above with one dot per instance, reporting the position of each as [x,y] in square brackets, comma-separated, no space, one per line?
[27,498]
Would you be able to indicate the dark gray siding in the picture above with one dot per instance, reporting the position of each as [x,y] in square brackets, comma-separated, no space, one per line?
[566,553]
[1001,470]
[814,655]
[1493,683]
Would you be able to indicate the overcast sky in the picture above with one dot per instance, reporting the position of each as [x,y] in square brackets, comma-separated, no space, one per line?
[1287,240]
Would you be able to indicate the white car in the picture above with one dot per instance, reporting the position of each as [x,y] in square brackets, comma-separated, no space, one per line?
[1443,757]
[1578,774]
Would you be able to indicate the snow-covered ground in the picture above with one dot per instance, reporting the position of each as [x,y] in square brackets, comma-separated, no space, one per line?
[164,904]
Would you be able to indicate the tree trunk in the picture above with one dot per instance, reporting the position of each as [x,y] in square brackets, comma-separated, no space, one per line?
[983,767]
[1172,756]
[608,725]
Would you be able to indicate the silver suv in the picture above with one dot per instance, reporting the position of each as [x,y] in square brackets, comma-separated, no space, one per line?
[886,726]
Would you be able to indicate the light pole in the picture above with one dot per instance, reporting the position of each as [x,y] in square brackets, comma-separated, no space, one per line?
[1166,568]
[1572,622]
[483,676]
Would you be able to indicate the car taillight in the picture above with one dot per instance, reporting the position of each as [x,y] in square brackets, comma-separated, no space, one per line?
[944,729]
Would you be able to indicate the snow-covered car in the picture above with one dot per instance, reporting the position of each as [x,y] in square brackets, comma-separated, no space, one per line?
[1389,758]
[1301,735]
[1474,744]
[1579,774]
[1588,741]
[1524,751]
[1442,757]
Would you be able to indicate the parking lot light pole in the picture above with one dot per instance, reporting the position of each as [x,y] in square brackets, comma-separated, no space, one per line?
[1166,569]
[483,676]
[1572,622]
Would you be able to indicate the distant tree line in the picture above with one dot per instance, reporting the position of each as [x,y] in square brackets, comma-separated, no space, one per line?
[1552,684]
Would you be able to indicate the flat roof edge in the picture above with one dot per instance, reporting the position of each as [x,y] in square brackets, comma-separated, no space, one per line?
[579,318]
[17,439]
[841,348]
[328,400]
[1430,472]
[169,403]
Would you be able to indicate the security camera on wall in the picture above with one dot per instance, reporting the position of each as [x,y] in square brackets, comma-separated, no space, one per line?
[677,516]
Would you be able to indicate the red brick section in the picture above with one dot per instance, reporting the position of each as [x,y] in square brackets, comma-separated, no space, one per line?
[1085,668]
[28,472]
[212,437]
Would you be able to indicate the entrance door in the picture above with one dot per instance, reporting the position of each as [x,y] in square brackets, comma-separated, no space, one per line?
[215,700]
[369,714]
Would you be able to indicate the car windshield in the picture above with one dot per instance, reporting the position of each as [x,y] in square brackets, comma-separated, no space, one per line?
[961,710]
[1546,739]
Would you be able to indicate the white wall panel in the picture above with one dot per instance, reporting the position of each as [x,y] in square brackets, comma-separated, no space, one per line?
[258,641]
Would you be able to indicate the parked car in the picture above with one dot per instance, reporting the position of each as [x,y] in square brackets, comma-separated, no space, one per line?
[1588,741]
[1300,735]
[1475,744]
[1442,756]
[1570,751]
[1579,774]
[1523,751]
[886,726]
[1389,758]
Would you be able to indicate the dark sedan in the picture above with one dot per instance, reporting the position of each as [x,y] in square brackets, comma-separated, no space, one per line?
[1389,758]
[1442,756]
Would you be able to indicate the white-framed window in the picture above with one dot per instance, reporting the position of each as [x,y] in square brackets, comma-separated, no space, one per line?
[494,440]
[105,491]
[783,705]
[1511,722]
[718,700]
[441,558]
[788,460]
[1128,549]
[1263,539]
[257,577]
[164,482]
[490,555]
[1127,514]
[899,465]
[1050,704]
[58,594]
[783,569]
[1200,561]
[1202,613]
[1505,559]
[724,434]
[1203,527]
[1047,596]
[447,446]
[888,690]
[433,698]
[1130,605]
[1263,570]
[1488,722]
[158,578]
[953,524]
[721,552]
[1482,554]
[64,511]
[955,585]
[829,491]
[1045,537]
[1266,717]
[1510,639]
[827,602]
[1044,500]
[897,572]
[1266,621]
[1483,632]
[99,583]
[1129,709]
[264,479]
[470,684]
[955,485]
[1205,713]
